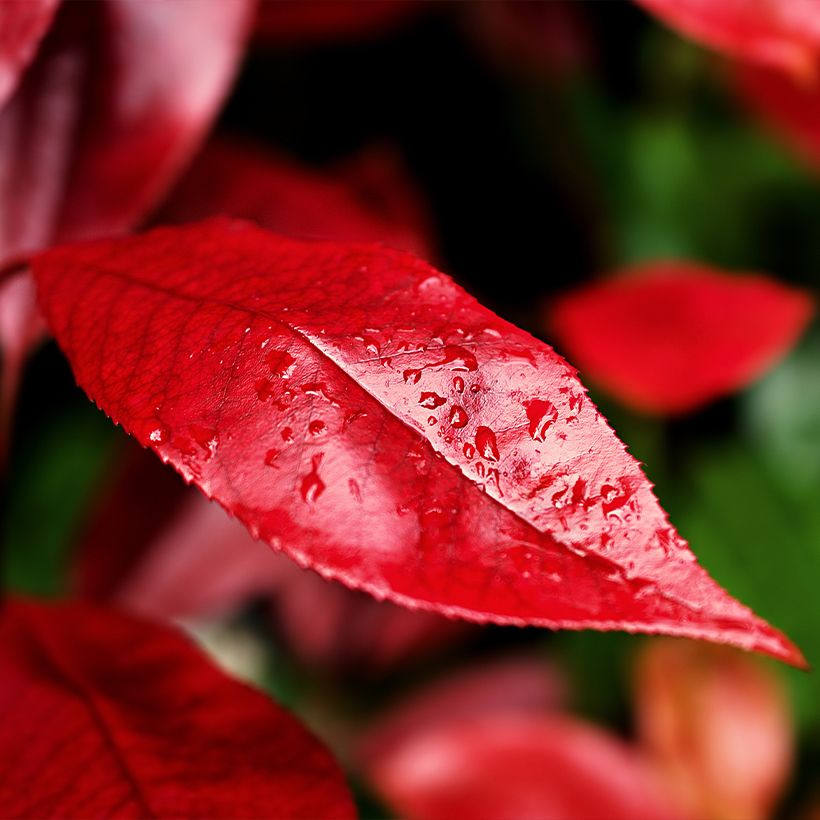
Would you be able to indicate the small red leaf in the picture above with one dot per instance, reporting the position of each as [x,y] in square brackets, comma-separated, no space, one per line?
[790,109]
[106,716]
[502,766]
[512,501]
[22,25]
[376,203]
[668,337]
[783,34]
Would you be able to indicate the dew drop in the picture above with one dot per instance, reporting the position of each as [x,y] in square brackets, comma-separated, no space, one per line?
[486,443]
[458,358]
[312,485]
[542,415]
[158,435]
[458,417]
[287,434]
[458,384]
[411,376]
[431,400]
[281,363]
[271,456]
[432,421]
[317,427]
[469,450]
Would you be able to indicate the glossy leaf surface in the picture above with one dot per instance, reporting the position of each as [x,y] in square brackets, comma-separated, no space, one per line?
[22,25]
[105,715]
[518,766]
[355,408]
[784,34]
[668,337]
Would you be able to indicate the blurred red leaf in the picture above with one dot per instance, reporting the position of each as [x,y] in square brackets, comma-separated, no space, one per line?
[502,766]
[790,109]
[372,201]
[355,408]
[514,685]
[108,716]
[718,725]
[783,34]
[668,337]
[301,22]
[22,25]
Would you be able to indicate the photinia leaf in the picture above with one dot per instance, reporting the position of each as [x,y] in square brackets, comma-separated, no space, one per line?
[105,715]
[783,34]
[668,337]
[790,109]
[318,21]
[718,725]
[235,178]
[522,766]
[22,25]
[356,409]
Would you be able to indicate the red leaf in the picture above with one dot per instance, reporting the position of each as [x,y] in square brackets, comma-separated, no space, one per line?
[96,130]
[108,716]
[789,108]
[355,408]
[668,337]
[503,766]
[717,722]
[316,21]
[22,25]
[376,204]
[783,34]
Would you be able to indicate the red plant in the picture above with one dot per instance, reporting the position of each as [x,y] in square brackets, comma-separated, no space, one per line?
[361,414]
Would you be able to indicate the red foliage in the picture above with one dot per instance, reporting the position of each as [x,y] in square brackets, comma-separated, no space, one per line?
[502,766]
[104,715]
[783,34]
[668,337]
[355,408]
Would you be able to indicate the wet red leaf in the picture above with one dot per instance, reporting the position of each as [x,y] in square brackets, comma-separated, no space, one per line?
[317,21]
[790,109]
[783,34]
[502,766]
[370,201]
[718,726]
[22,25]
[668,337]
[356,409]
[104,715]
